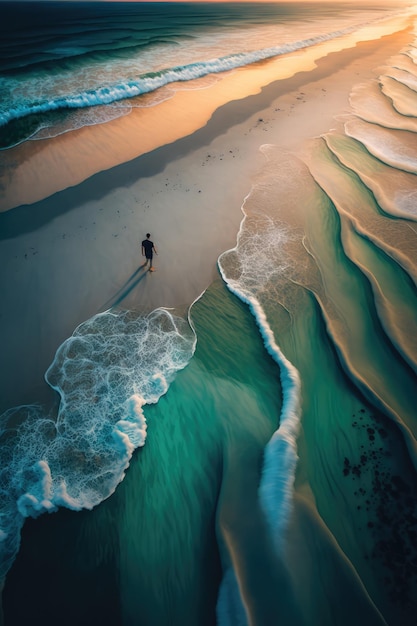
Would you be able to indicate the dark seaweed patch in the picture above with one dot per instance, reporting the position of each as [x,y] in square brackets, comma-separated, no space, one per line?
[391,505]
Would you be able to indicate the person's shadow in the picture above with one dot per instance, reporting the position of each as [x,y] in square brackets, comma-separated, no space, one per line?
[125,290]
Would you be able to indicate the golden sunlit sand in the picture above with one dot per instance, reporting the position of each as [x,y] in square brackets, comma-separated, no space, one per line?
[182,169]
[37,169]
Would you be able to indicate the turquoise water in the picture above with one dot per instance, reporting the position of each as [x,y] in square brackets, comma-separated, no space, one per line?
[334,273]
[211,428]
[66,65]
[277,482]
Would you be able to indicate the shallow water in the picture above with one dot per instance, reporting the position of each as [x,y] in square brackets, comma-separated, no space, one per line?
[277,483]
[222,410]
[60,63]
[335,275]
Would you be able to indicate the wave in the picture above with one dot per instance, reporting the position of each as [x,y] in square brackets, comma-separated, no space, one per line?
[48,128]
[393,147]
[372,334]
[403,76]
[395,191]
[64,56]
[151,81]
[280,454]
[112,365]
[403,98]
[358,291]
[396,322]
[370,104]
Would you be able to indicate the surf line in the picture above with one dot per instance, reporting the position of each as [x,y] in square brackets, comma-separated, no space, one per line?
[280,454]
[100,415]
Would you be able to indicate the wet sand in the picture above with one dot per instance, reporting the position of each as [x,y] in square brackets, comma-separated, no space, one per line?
[36,169]
[77,252]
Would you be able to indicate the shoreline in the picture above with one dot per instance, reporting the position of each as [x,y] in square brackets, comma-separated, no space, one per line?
[35,170]
[77,252]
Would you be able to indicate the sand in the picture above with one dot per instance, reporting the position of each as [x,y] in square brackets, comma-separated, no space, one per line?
[87,199]
[77,252]
[34,170]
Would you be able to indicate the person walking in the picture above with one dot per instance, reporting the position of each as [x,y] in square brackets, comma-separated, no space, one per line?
[148,249]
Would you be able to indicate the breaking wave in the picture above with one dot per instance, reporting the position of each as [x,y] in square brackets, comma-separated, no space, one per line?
[112,365]
[247,272]
[151,81]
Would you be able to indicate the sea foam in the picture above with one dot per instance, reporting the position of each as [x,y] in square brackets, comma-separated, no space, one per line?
[280,455]
[252,272]
[112,365]
[151,81]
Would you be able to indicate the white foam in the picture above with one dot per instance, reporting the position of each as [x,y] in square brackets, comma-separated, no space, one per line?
[395,148]
[257,260]
[112,365]
[256,269]
[146,82]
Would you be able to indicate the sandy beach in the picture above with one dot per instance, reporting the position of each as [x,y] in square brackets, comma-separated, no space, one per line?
[188,194]
[36,169]
[180,170]
[168,191]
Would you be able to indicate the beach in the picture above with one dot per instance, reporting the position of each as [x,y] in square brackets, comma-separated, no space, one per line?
[169,190]
[262,162]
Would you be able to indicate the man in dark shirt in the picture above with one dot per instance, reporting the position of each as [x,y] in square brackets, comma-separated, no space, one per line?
[148,249]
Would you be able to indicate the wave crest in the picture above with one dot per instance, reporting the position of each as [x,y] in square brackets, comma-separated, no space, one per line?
[151,81]
[112,365]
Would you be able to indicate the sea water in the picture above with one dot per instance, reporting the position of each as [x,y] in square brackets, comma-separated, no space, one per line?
[60,63]
[299,380]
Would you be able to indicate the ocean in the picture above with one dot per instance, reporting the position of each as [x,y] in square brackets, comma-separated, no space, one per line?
[250,457]
[61,62]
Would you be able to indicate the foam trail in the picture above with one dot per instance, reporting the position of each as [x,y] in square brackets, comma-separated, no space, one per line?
[151,81]
[280,459]
[112,365]
[280,454]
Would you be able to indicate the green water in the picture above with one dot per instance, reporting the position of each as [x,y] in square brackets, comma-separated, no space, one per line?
[153,553]
[188,513]
[356,456]
[353,458]
[369,352]
[350,457]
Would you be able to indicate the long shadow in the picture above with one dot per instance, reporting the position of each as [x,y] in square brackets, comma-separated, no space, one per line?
[125,290]
[27,218]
